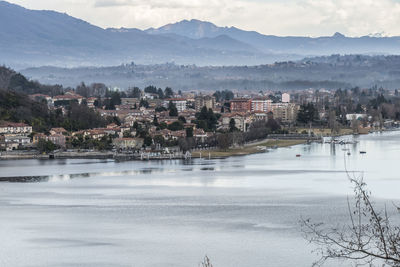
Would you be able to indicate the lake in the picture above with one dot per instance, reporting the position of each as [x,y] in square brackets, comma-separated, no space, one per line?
[240,211]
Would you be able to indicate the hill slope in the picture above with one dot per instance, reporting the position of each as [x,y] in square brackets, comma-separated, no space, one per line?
[331,72]
[48,37]
[36,38]
[337,43]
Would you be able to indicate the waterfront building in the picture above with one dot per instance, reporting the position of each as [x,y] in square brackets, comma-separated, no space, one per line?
[15,128]
[128,143]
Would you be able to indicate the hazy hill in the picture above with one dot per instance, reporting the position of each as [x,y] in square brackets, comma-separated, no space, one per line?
[31,37]
[37,38]
[337,43]
[330,72]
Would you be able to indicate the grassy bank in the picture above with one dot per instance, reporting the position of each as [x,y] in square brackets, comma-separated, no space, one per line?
[247,149]
[326,132]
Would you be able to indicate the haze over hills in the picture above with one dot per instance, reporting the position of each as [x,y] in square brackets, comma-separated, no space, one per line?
[336,44]
[331,72]
[35,38]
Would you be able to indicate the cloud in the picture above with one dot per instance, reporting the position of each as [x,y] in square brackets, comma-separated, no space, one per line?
[278,17]
[111,3]
[171,4]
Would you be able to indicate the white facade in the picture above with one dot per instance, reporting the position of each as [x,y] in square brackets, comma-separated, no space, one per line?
[285,98]
[350,117]
[15,128]
[178,102]
[261,105]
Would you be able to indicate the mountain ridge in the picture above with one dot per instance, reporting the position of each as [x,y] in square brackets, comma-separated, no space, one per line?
[30,38]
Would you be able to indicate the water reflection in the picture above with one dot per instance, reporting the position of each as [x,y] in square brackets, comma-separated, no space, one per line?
[241,211]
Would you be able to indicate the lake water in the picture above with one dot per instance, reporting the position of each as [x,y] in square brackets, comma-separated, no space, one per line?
[240,211]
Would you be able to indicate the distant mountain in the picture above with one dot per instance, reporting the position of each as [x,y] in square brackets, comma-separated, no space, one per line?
[336,44]
[37,38]
[31,37]
[195,29]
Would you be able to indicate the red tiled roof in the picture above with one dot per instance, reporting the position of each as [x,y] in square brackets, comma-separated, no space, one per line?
[68,97]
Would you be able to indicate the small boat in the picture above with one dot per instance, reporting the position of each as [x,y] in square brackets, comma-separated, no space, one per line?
[363,152]
[298,156]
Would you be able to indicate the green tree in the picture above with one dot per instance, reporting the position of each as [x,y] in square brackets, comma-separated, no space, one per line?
[189,132]
[159,139]
[155,120]
[206,119]
[127,134]
[168,93]
[307,114]
[232,125]
[160,93]
[176,126]
[148,141]
[116,98]
[46,146]
[144,103]
[182,119]
[173,111]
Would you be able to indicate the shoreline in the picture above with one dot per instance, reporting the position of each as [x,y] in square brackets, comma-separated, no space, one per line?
[261,146]
[248,149]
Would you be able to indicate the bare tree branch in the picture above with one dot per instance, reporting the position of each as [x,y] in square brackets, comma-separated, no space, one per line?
[368,238]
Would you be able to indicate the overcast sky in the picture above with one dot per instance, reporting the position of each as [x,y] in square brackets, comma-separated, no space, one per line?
[278,17]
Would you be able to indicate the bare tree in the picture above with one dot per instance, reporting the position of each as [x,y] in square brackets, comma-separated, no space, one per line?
[369,237]
[206,262]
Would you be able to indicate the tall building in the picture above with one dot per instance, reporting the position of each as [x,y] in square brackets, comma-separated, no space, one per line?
[180,103]
[285,112]
[204,101]
[261,105]
[241,104]
[285,98]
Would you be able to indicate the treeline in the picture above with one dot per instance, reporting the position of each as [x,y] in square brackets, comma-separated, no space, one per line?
[17,82]
[225,139]
[17,107]
[377,103]
[102,91]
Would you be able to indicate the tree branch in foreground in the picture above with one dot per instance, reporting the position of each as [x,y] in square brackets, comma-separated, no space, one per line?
[369,237]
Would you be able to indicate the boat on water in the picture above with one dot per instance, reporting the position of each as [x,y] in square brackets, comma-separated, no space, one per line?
[262,148]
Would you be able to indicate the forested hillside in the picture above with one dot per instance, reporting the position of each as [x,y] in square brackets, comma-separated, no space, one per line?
[16,106]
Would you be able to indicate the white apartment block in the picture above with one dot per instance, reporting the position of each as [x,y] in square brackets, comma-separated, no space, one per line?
[180,103]
[261,105]
[285,98]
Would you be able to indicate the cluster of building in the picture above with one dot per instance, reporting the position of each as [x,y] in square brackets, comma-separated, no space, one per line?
[14,135]
[243,111]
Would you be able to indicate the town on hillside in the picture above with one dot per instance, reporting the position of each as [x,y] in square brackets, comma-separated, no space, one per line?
[162,122]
